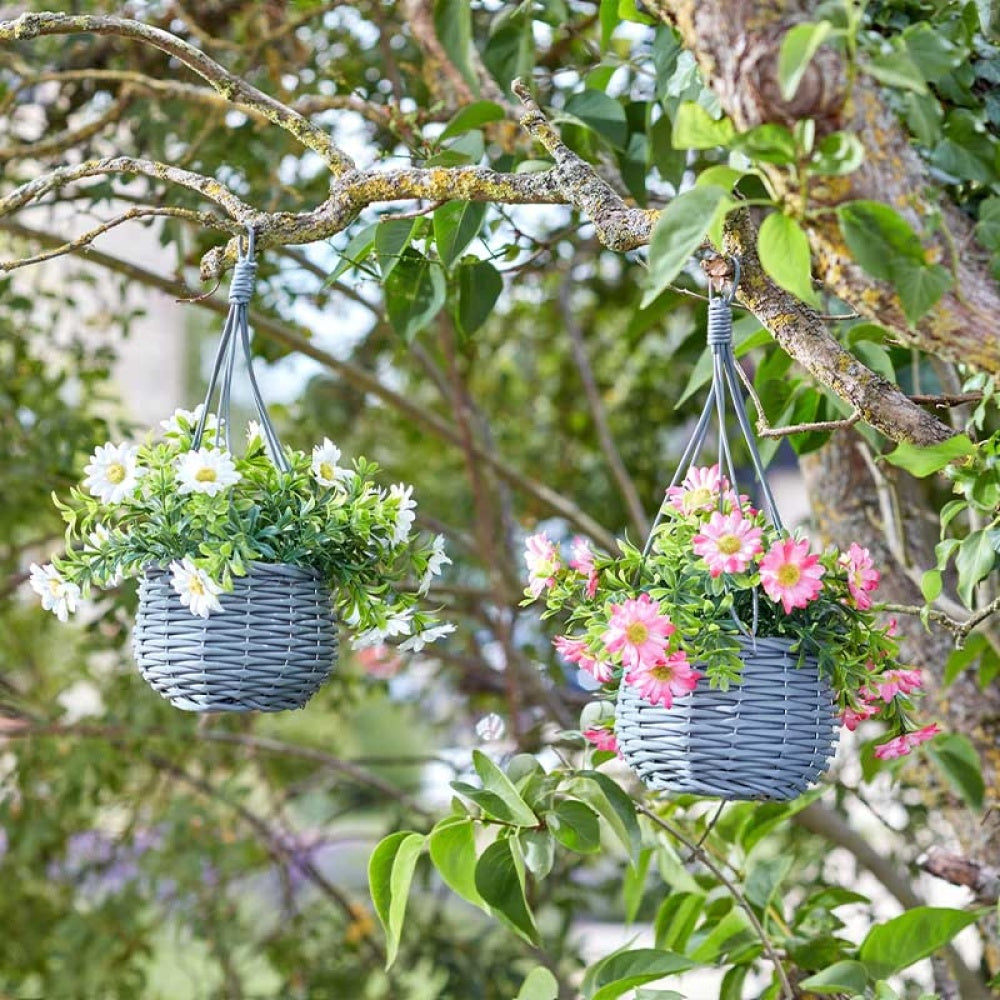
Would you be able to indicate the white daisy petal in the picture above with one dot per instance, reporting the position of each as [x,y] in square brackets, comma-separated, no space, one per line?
[435,563]
[197,590]
[417,642]
[58,596]
[404,513]
[206,471]
[113,473]
[325,469]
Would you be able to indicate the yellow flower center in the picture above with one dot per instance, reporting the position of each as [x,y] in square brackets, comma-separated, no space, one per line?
[788,575]
[698,498]
[206,475]
[729,545]
[325,470]
[637,633]
[55,586]
[662,672]
[115,473]
[196,587]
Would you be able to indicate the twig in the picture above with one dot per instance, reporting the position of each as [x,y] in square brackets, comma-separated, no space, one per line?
[981,879]
[415,213]
[959,628]
[699,852]
[598,413]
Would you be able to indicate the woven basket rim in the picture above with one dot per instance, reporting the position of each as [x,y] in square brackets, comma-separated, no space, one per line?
[291,571]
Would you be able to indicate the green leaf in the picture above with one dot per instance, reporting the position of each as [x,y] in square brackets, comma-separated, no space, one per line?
[770,143]
[988,227]
[609,21]
[897,69]
[510,49]
[921,460]
[575,826]
[676,919]
[358,248]
[390,872]
[695,128]
[615,806]
[977,554]
[957,760]
[494,780]
[538,848]
[501,885]
[841,977]
[764,878]
[679,231]
[456,225]
[414,293]
[920,287]
[472,116]
[878,237]
[603,114]
[721,176]
[931,584]
[634,884]
[453,27]
[798,47]
[784,254]
[898,943]
[452,847]
[479,287]
[837,154]
[392,237]
[617,974]
[539,984]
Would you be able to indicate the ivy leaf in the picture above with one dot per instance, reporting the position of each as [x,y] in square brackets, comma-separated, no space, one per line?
[452,847]
[798,47]
[898,943]
[897,69]
[878,237]
[784,254]
[695,128]
[501,885]
[841,977]
[479,287]
[603,114]
[921,460]
[919,287]
[390,873]
[679,231]
[539,984]
[456,225]
[956,758]
[415,291]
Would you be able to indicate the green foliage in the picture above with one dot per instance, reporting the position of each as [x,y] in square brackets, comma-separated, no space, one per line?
[906,939]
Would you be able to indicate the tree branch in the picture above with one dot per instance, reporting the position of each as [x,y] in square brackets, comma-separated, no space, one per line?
[231,87]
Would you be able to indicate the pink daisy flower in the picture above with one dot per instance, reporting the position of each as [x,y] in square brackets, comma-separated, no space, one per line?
[699,491]
[728,543]
[862,576]
[582,560]
[894,682]
[543,563]
[853,717]
[660,682]
[902,745]
[790,574]
[603,739]
[379,661]
[602,671]
[638,630]
[575,651]
[919,736]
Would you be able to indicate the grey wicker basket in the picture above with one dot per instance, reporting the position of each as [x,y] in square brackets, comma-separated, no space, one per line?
[768,738]
[271,647]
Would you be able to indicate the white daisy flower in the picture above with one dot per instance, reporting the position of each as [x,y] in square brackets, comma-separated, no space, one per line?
[417,642]
[58,596]
[96,541]
[254,431]
[206,471]
[491,727]
[196,589]
[404,514]
[368,639]
[173,428]
[324,464]
[398,623]
[113,474]
[435,563]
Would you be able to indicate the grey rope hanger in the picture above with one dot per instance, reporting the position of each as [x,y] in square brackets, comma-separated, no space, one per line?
[724,393]
[236,339]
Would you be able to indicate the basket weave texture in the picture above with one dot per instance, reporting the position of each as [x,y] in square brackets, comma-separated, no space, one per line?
[767,738]
[271,647]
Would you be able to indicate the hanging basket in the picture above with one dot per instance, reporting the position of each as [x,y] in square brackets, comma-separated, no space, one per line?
[269,649]
[772,734]
[767,738]
[275,640]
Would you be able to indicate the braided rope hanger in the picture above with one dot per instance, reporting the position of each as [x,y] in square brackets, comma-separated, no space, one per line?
[723,392]
[236,336]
